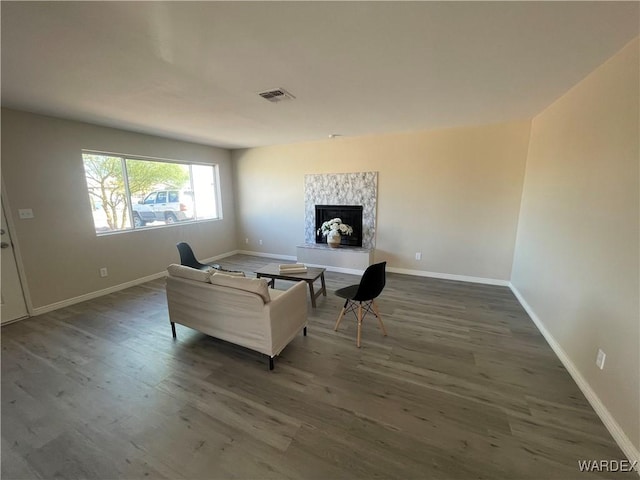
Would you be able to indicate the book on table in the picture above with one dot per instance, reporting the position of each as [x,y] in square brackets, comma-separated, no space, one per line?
[292,268]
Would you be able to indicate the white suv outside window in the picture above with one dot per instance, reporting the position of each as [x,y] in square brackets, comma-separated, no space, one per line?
[167,206]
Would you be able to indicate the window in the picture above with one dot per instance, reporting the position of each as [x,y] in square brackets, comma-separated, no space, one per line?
[150,199]
[128,193]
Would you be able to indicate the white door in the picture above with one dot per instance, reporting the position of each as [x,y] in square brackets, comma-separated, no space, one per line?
[12,304]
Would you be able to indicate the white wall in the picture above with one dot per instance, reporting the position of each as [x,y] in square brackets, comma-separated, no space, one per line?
[43,170]
[576,263]
[453,195]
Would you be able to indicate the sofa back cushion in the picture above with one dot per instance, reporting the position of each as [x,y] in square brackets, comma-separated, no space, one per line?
[189,273]
[253,285]
[231,273]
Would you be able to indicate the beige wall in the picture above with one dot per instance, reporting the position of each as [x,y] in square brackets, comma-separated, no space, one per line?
[42,169]
[453,195]
[576,261]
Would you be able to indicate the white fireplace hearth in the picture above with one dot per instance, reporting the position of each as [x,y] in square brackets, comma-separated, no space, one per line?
[342,259]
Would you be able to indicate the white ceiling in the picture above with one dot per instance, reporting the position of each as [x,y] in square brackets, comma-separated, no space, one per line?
[192,70]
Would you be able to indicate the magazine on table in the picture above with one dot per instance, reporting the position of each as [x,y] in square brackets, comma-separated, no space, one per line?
[292,268]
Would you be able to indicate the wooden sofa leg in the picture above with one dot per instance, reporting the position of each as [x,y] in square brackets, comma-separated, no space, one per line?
[270,363]
[304,332]
[173,329]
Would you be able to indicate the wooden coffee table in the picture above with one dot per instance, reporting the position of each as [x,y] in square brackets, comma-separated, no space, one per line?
[272,271]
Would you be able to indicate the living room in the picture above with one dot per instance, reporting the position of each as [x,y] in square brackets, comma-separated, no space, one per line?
[545,204]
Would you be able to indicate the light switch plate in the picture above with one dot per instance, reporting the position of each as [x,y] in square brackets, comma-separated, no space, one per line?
[25,213]
[600,359]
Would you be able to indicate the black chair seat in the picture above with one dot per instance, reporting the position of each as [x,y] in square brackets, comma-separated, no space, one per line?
[348,292]
[360,298]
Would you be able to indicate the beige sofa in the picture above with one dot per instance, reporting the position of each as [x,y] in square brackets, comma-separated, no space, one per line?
[243,311]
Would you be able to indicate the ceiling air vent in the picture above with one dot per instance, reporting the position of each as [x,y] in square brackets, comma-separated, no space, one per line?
[276,95]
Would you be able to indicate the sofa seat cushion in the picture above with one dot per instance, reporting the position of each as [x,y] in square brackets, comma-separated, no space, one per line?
[259,286]
[189,273]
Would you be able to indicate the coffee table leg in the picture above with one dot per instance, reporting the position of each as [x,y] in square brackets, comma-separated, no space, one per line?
[324,287]
[313,296]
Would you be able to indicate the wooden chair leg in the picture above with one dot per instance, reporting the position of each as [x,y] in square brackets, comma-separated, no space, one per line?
[341,315]
[377,312]
[359,324]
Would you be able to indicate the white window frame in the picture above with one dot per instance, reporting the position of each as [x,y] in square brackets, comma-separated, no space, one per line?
[123,159]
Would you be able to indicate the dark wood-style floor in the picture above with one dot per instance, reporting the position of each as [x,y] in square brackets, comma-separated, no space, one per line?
[463,387]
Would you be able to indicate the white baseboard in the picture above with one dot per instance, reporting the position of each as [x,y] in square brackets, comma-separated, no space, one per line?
[419,273]
[115,288]
[625,444]
[219,257]
[448,276]
[98,293]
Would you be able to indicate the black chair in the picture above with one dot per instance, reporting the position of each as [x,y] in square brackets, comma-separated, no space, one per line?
[188,259]
[361,297]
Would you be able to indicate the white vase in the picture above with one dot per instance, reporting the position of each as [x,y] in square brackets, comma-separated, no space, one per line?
[333,239]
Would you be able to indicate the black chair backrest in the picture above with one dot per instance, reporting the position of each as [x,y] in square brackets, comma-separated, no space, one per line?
[187,257]
[372,282]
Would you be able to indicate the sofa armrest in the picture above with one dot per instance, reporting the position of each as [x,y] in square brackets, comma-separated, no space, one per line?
[288,315]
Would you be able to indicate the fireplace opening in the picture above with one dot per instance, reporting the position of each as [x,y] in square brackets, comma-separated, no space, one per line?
[349,214]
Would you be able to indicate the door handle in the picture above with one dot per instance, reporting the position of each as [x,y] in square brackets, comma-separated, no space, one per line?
[4,245]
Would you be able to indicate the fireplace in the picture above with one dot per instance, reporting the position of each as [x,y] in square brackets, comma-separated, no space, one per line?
[339,190]
[349,214]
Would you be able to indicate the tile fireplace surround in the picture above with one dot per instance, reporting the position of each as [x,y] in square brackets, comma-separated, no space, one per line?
[360,188]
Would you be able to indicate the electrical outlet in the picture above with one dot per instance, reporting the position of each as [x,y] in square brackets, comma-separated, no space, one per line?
[418,255]
[103,272]
[260,241]
[25,213]
[246,240]
[600,359]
